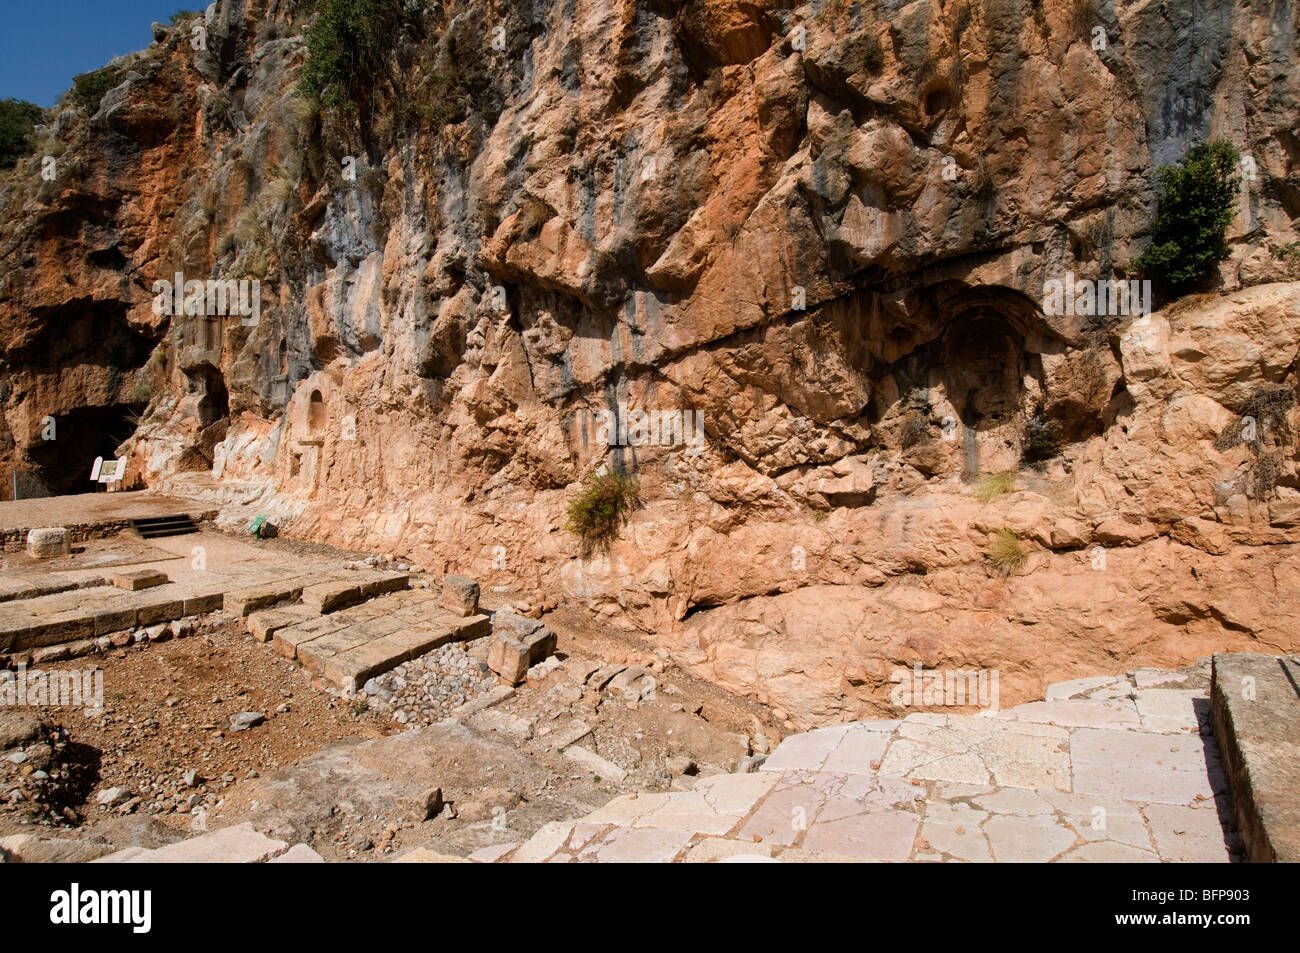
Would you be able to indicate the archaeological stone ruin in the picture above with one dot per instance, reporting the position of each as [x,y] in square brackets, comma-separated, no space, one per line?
[698,431]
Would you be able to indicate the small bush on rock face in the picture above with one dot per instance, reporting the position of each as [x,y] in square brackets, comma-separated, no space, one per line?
[1197,204]
[18,118]
[602,506]
[993,485]
[346,44]
[89,88]
[1005,551]
[1263,418]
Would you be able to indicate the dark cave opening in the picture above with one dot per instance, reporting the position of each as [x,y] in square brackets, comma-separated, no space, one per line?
[81,435]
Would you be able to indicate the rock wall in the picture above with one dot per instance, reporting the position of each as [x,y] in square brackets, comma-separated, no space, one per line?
[822,232]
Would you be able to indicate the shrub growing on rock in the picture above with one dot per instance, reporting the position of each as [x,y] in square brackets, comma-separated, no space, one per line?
[1263,415]
[18,118]
[602,506]
[1197,203]
[88,89]
[993,485]
[1005,552]
[346,45]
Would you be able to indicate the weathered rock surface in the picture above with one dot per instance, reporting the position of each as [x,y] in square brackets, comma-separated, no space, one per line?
[799,252]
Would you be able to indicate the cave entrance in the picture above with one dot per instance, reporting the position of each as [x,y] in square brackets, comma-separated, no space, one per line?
[984,373]
[81,435]
[214,405]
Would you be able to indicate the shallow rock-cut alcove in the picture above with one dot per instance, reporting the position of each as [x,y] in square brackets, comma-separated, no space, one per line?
[984,366]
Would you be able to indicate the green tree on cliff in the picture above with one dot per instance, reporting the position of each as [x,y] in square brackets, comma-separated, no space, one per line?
[17,120]
[346,45]
[1198,201]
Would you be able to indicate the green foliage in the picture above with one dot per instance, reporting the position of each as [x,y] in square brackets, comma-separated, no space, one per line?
[181,16]
[1005,552]
[438,99]
[1197,204]
[993,485]
[346,44]
[602,506]
[89,88]
[17,120]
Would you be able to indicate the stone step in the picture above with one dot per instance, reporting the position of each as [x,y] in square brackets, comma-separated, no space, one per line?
[99,610]
[246,600]
[321,591]
[348,646]
[264,623]
[351,589]
[1255,707]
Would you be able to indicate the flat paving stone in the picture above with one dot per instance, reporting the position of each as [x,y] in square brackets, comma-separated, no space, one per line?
[545,843]
[805,752]
[641,846]
[1080,686]
[1034,839]
[711,850]
[883,836]
[1187,834]
[1170,710]
[1107,852]
[239,844]
[783,815]
[1077,713]
[857,752]
[1140,766]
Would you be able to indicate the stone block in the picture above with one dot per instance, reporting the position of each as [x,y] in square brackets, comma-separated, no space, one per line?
[162,610]
[48,542]
[329,596]
[1255,710]
[511,657]
[460,595]
[140,579]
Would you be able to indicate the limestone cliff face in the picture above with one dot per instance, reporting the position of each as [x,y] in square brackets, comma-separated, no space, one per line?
[825,231]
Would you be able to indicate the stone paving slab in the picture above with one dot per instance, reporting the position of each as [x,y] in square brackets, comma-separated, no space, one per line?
[266,593]
[239,844]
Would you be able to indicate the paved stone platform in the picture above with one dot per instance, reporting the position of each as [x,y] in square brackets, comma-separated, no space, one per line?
[207,572]
[349,646]
[1103,771]
[89,515]
[1256,713]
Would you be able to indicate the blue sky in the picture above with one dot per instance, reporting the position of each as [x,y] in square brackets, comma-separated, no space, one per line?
[44,43]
